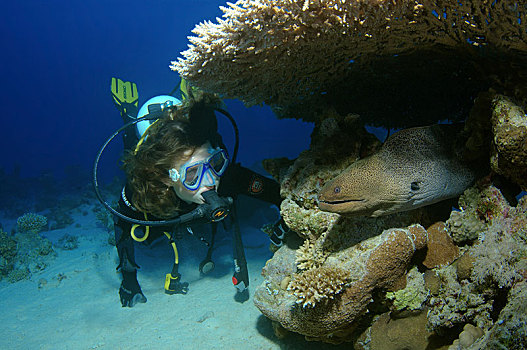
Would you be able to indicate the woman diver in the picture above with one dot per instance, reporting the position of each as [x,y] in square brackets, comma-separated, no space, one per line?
[177,167]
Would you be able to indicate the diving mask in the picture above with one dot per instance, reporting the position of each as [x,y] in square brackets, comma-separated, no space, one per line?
[195,174]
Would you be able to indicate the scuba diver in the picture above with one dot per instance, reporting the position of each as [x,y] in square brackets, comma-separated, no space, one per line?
[178,173]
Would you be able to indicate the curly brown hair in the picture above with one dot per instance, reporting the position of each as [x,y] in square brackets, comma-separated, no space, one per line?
[169,138]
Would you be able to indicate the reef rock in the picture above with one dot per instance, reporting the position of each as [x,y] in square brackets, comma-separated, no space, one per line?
[323,302]
[407,333]
[510,330]
[495,262]
[441,249]
[509,126]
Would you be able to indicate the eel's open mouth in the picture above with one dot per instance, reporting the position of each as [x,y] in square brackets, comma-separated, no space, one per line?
[341,201]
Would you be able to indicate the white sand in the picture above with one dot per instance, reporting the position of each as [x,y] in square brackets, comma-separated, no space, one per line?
[82,311]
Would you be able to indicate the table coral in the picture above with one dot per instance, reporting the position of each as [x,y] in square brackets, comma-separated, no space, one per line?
[301,56]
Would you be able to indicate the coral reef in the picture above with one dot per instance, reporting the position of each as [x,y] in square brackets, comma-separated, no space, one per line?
[397,64]
[466,338]
[26,251]
[496,255]
[500,231]
[509,127]
[377,263]
[413,296]
[8,251]
[31,222]
[495,262]
[318,284]
[303,56]
[510,329]
[400,334]
[68,242]
[464,266]
[441,249]
[34,252]
[458,303]
[399,270]
[311,255]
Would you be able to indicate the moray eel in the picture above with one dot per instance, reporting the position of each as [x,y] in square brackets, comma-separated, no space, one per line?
[414,167]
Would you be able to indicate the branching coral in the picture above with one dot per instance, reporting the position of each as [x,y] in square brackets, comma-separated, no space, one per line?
[352,273]
[318,284]
[311,255]
[31,222]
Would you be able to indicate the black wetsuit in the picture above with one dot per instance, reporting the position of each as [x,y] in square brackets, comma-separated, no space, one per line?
[235,181]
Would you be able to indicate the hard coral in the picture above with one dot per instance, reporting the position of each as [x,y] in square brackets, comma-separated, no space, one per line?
[8,251]
[31,222]
[407,333]
[413,296]
[458,303]
[318,285]
[441,249]
[500,230]
[509,126]
[494,263]
[311,254]
[300,56]
[510,330]
[345,281]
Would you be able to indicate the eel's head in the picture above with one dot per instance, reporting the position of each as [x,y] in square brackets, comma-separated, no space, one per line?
[367,188]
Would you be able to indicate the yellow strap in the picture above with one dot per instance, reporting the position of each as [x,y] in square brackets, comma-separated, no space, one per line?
[147,232]
[142,139]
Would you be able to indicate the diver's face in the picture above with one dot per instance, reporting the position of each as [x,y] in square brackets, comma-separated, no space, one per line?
[209,180]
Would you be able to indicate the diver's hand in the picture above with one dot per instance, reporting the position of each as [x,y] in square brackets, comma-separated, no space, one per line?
[130,292]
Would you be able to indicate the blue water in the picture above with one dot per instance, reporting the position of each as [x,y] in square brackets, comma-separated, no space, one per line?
[57,60]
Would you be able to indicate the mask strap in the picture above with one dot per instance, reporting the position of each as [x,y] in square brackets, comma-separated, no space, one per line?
[174,175]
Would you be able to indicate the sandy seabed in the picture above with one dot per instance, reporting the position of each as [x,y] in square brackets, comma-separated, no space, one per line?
[74,303]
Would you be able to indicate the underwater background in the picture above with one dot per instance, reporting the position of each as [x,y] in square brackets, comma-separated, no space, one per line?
[445,272]
[57,63]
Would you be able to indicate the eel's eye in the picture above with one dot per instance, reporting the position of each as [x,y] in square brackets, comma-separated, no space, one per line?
[337,189]
[415,186]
